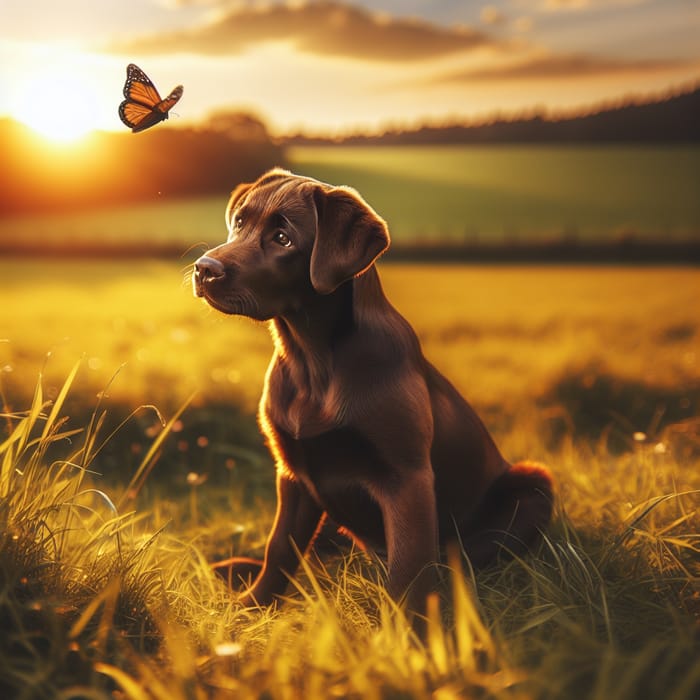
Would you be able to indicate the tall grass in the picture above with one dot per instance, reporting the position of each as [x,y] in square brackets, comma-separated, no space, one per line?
[91,600]
[96,600]
[74,573]
[110,511]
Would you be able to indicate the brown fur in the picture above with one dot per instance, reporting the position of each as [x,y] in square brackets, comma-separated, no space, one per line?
[362,427]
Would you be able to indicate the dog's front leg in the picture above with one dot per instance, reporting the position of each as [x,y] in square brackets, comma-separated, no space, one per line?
[410,522]
[296,521]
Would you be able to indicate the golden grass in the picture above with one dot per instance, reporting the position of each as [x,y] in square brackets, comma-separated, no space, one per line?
[503,331]
[94,599]
[101,593]
[498,332]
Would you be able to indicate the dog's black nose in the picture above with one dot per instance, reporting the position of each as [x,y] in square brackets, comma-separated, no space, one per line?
[207,269]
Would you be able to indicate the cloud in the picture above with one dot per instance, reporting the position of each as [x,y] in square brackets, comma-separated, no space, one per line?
[563,66]
[559,5]
[177,4]
[492,15]
[523,24]
[327,28]
[555,5]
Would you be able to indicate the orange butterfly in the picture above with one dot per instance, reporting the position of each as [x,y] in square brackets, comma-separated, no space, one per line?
[143,107]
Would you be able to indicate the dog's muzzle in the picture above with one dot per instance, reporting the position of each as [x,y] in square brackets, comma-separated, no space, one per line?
[206,271]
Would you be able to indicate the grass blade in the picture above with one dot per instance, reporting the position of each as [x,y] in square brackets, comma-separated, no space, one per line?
[148,462]
[60,399]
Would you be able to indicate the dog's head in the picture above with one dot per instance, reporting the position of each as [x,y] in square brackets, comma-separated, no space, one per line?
[290,238]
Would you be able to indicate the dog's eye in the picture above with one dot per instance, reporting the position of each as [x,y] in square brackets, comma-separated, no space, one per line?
[238,222]
[282,239]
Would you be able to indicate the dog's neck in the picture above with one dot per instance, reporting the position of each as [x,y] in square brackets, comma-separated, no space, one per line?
[311,334]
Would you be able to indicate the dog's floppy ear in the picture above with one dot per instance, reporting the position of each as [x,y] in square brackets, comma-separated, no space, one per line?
[238,193]
[350,236]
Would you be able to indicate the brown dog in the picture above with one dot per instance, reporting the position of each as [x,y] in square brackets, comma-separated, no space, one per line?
[363,428]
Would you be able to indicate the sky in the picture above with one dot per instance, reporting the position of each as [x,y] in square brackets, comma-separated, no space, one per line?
[340,65]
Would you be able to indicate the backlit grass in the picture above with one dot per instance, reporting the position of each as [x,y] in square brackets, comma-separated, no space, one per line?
[93,596]
[107,528]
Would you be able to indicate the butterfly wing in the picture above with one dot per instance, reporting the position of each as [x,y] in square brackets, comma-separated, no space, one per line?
[143,106]
[138,117]
[171,100]
[139,88]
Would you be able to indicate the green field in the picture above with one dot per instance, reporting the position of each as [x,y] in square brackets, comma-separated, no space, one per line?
[520,193]
[104,585]
[476,194]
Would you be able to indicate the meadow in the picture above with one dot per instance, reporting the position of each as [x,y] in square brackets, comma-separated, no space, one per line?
[519,193]
[130,458]
[477,194]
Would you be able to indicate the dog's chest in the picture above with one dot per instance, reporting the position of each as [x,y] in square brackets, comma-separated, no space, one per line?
[298,411]
[340,469]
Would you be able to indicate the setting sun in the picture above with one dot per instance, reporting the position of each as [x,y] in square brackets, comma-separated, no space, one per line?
[57,104]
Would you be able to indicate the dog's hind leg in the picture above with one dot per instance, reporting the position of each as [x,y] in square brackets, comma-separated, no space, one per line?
[515,511]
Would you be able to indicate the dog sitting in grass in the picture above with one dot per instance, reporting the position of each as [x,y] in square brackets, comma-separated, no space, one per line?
[363,429]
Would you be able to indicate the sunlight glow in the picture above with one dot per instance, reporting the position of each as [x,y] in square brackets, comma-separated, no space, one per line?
[57,105]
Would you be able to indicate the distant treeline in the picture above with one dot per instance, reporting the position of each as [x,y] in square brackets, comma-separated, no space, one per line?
[111,168]
[619,252]
[674,119]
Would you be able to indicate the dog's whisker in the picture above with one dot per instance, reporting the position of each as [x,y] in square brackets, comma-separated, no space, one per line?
[201,245]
